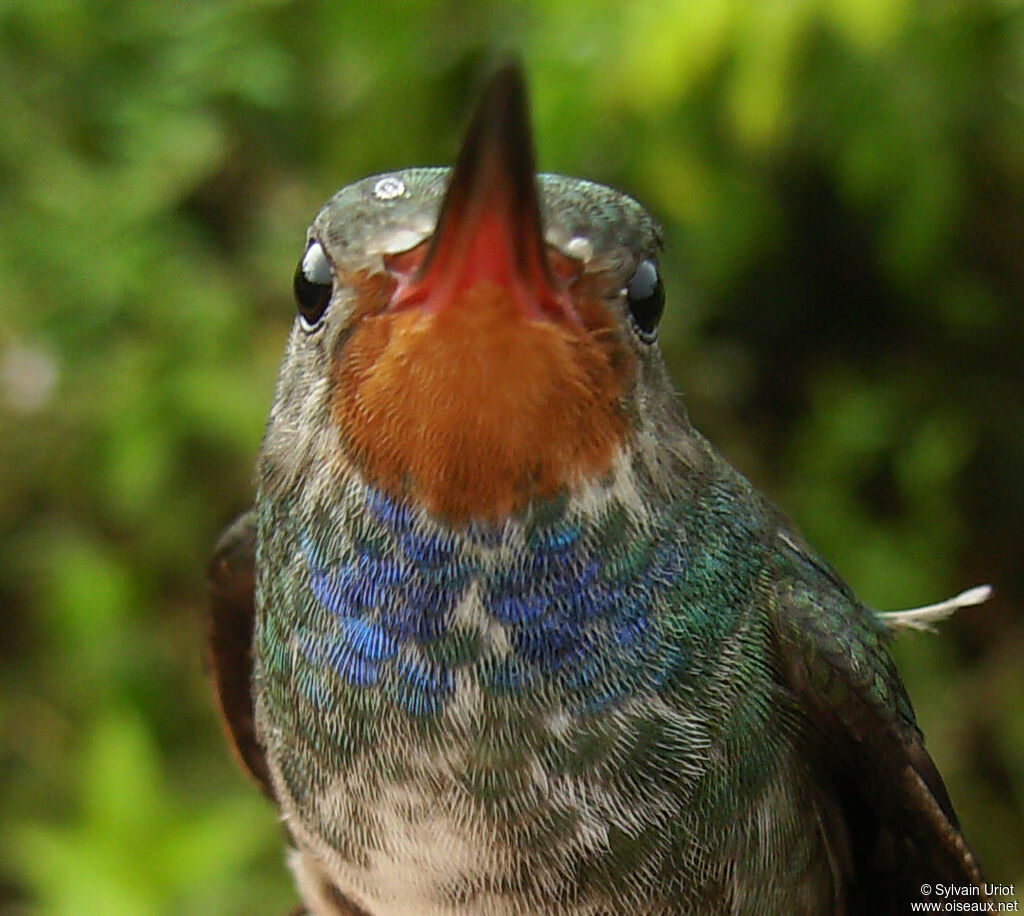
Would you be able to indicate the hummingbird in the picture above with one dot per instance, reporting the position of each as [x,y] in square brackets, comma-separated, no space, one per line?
[504,634]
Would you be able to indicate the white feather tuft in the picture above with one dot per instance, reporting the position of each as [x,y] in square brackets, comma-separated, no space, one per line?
[925,618]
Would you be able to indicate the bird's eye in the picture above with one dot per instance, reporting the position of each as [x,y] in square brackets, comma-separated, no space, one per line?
[646,298]
[314,283]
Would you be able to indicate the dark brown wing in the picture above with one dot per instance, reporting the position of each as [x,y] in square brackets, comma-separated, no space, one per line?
[231,576]
[893,827]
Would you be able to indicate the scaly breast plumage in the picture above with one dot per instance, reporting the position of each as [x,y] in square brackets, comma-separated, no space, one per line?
[561,604]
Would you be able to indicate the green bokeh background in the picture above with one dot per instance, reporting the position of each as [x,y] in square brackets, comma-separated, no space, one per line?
[842,188]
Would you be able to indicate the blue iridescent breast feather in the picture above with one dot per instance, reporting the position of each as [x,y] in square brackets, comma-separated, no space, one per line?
[557,602]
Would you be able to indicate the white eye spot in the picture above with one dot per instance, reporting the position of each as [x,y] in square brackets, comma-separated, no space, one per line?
[388,188]
[315,266]
[579,248]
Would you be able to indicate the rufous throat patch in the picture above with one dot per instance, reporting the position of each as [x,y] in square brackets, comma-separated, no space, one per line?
[474,410]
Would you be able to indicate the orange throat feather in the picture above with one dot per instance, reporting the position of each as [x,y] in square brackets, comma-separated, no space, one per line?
[475,410]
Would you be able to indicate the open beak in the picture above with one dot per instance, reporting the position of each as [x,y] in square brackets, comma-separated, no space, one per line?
[489,229]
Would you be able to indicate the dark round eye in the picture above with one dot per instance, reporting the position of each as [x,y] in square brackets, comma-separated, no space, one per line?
[314,282]
[646,298]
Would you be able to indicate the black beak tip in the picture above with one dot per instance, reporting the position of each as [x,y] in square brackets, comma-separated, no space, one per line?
[505,90]
[498,141]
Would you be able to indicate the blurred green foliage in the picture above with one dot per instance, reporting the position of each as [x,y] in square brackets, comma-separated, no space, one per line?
[842,186]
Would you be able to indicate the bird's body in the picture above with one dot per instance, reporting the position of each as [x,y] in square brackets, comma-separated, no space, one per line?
[520,719]
[524,642]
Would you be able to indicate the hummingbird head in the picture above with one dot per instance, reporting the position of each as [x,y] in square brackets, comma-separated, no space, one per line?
[473,339]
